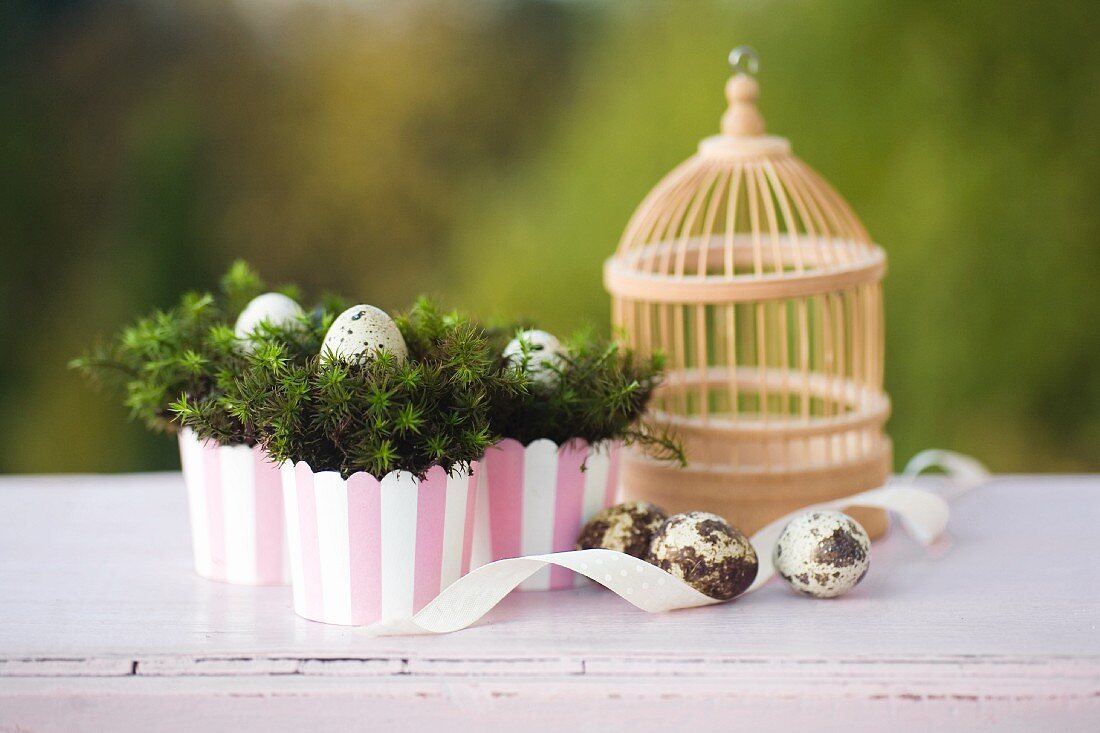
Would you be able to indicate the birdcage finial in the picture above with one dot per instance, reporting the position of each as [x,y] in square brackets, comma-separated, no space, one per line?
[743,119]
[745,59]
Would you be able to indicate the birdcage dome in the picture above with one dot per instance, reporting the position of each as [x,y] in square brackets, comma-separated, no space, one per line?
[763,288]
[740,216]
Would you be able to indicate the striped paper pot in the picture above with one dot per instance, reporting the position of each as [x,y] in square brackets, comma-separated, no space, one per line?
[235,498]
[364,550]
[534,500]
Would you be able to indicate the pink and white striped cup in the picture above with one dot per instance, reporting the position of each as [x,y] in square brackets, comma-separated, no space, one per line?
[534,500]
[364,550]
[235,498]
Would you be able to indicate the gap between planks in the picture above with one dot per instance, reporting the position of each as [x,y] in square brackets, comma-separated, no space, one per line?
[1082,673]
[217,666]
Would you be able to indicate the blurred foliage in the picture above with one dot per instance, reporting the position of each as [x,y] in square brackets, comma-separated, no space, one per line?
[492,150]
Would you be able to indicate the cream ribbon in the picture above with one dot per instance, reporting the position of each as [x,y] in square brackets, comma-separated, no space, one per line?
[923,514]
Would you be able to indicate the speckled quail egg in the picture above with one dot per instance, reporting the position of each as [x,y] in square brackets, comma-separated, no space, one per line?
[543,351]
[363,329]
[275,309]
[823,554]
[627,527]
[706,552]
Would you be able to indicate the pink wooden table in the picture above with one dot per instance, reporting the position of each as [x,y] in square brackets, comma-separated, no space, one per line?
[103,627]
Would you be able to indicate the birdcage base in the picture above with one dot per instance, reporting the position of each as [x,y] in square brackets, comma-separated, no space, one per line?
[750,499]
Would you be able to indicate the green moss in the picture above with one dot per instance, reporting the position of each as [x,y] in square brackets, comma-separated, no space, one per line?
[180,361]
[455,396]
[377,414]
[598,392]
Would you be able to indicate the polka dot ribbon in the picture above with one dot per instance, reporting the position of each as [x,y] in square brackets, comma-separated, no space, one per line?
[923,513]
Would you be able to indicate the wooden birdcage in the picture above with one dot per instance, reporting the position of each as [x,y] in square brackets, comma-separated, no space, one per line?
[763,289]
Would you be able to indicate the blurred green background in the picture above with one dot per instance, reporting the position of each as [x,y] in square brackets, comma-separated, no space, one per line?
[491,153]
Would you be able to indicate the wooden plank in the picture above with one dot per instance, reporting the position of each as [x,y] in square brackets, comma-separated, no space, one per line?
[92,566]
[533,705]
[105,626]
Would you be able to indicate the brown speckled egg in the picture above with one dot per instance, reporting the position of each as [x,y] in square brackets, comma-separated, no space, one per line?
[823,554]
[627,527]
[707,552]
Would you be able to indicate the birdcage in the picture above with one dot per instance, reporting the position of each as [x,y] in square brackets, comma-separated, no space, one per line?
[763,289]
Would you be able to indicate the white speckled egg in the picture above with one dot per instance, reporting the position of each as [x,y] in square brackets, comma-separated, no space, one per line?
[544,353]
[364,329]
[823,554]
[273,308]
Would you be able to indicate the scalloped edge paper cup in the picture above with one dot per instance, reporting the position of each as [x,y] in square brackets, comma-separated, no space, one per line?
[364,550]
[534,500]
[235,499]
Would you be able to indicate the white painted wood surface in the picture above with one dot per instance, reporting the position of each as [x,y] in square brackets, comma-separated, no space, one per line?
[103,626]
